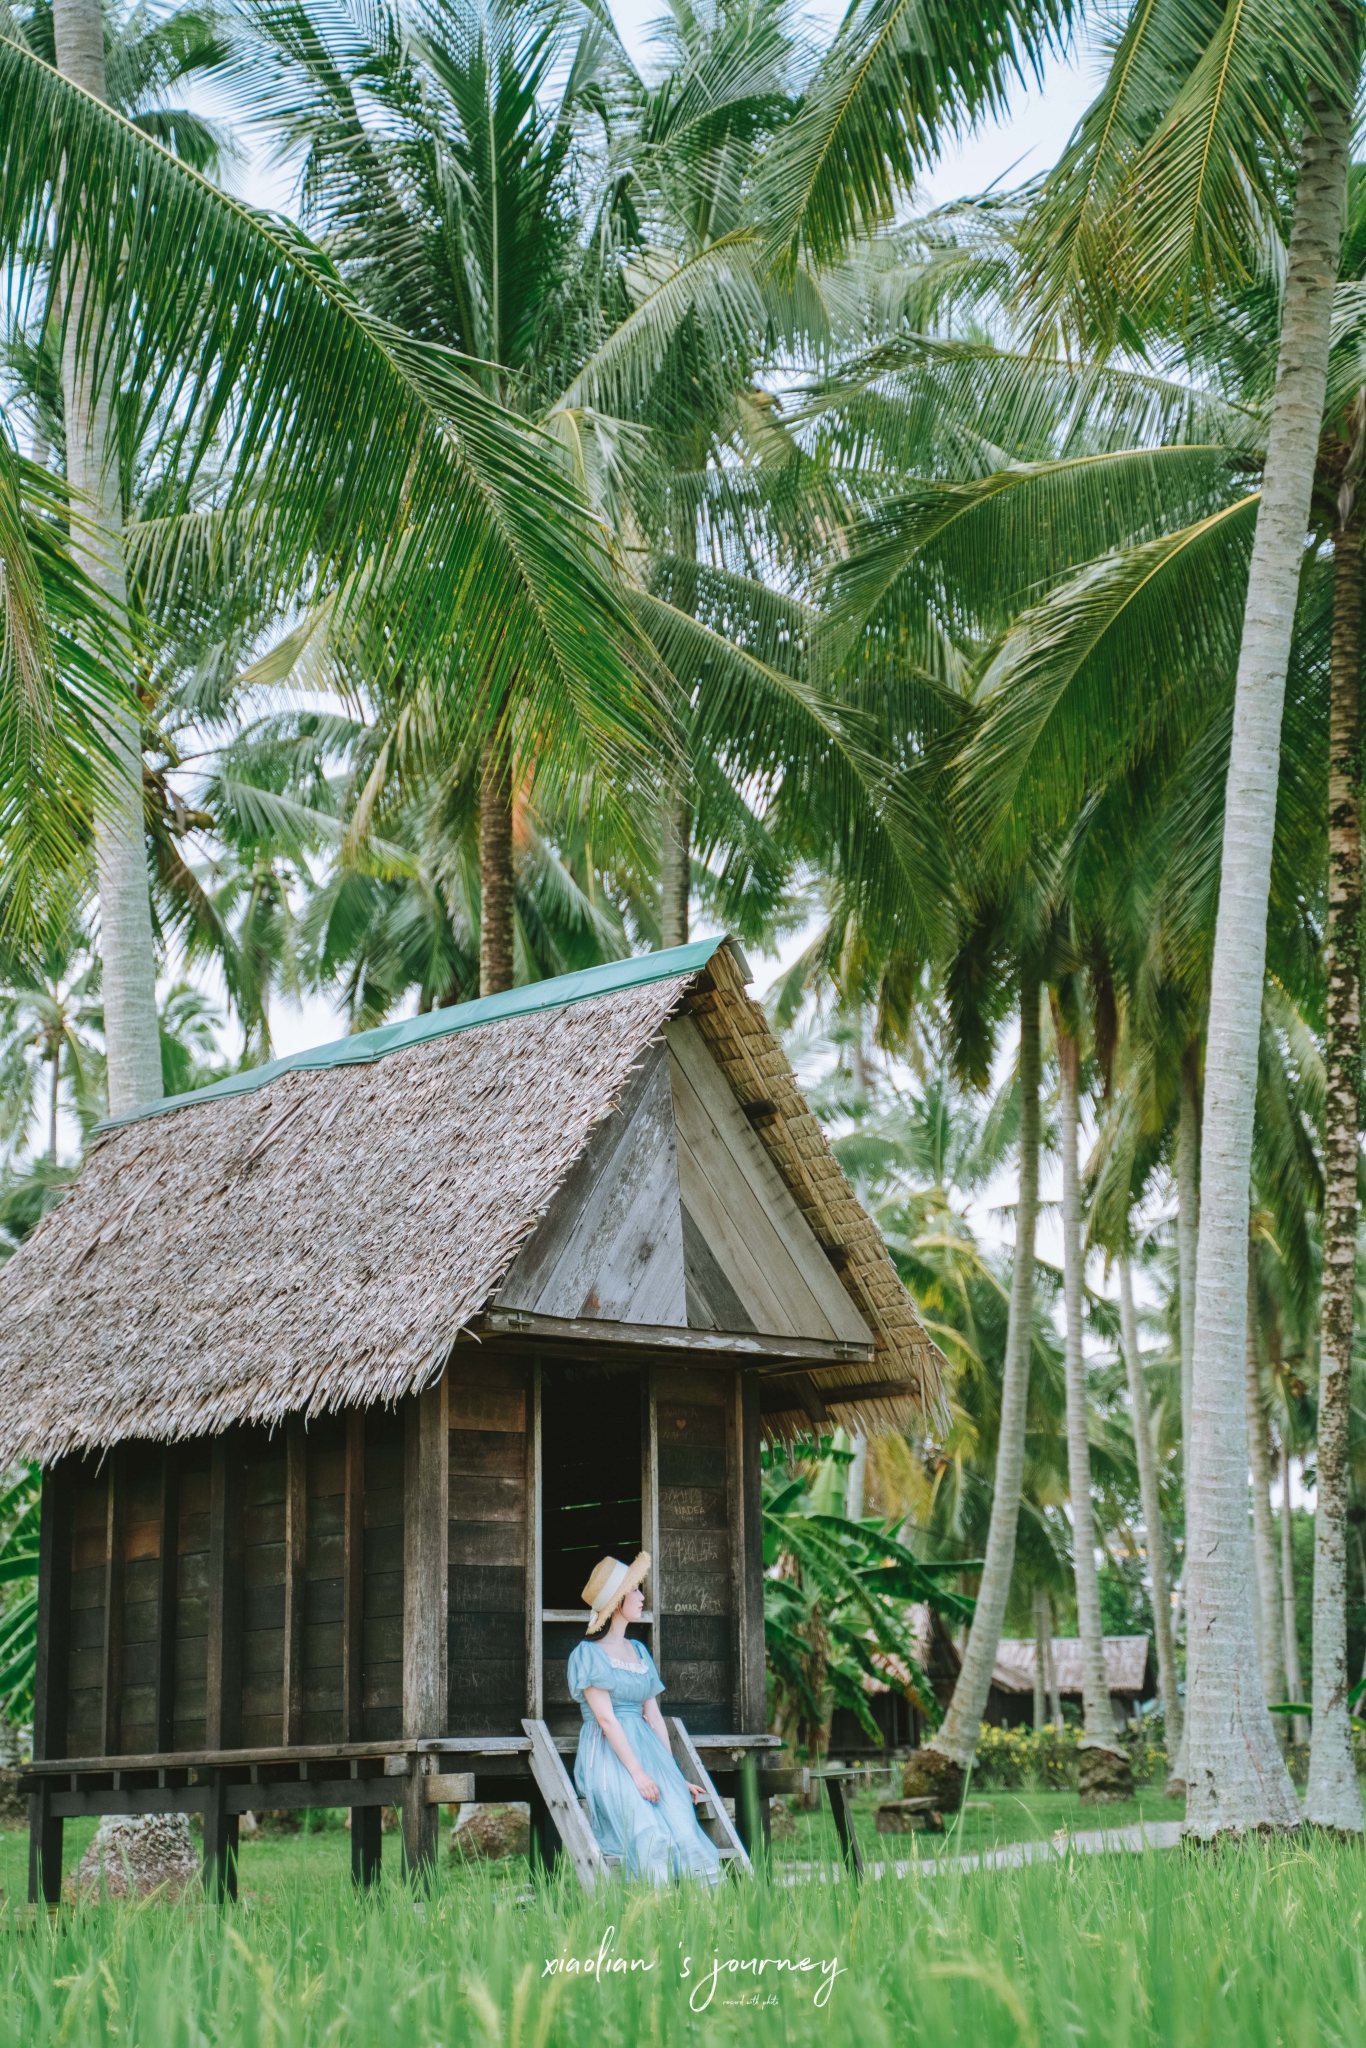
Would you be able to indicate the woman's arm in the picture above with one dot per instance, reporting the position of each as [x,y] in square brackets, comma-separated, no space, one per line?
[655,1720]
[600,1700]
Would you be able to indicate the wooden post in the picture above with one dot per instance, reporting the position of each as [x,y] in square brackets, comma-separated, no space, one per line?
[745,1507]
[220,1842]
[112,1677]
[223,1672]
[426,1622]
[420,1823]
[545,1836]
[535,1554]
[366,1844]
[296,1515]
[167,1583]
[844,1828]
[649,1507]
[353,1583]
[749,1817]
[50,1680]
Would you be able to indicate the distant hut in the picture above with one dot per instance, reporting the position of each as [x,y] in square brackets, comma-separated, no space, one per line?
[1010,1701]
[1129,1673]
[343,1372]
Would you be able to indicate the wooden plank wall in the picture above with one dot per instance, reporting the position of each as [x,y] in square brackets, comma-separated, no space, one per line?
[135,1731]
[612,1242]
[322,1605]
[748,1240]
[695,1576]
[278,1559]
[382,1588]
[486,1667]
[191,1599]
[263,1579]
[89,1481]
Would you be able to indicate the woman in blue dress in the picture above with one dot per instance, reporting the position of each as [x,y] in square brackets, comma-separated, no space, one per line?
[639,1803]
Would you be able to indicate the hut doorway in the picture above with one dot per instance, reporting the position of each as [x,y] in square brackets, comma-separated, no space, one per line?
[591,1429]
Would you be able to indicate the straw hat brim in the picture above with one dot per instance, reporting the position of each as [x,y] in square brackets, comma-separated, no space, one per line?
[635,1575]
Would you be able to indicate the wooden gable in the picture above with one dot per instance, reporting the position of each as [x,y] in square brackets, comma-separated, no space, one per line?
[675,1216]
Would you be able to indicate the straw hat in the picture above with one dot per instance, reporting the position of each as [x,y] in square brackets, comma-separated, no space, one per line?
[608,1584]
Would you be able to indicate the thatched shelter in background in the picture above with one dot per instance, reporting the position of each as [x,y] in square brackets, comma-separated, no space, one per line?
[344,1371]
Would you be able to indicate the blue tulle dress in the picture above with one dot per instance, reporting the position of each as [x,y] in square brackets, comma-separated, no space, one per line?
[657,1842]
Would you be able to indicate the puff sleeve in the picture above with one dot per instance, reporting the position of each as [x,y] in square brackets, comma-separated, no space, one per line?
[588,1665]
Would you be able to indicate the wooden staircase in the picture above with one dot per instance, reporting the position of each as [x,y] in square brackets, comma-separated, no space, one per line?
[568,1813]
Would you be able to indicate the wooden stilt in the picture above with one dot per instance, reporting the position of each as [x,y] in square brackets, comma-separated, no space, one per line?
[44,1848]
[749,1814]
[421,1826]
[545,1836]
[844,1828]
[366,1844]
[220,1842]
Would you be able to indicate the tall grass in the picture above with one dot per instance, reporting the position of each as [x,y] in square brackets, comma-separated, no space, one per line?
[1260,1944]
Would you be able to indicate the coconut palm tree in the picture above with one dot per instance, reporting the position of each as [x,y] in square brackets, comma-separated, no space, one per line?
[51,1019]
[350,453]
[1105,1772]
[1192,172]
[94,473]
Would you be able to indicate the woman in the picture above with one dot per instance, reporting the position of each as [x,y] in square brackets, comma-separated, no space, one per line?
[640,1805]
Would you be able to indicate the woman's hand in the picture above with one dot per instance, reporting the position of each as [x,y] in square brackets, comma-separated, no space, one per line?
[646,1787]
[698,1795]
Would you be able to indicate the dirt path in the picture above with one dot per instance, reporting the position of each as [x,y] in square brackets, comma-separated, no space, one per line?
[1132,1840]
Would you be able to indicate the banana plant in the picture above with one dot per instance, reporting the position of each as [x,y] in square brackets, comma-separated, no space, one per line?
[19,1574]
[837,1595]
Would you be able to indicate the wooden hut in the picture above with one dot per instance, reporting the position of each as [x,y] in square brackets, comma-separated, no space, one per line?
[343,1372]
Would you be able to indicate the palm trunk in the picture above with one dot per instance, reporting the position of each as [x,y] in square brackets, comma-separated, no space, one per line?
[1294,1684]
[1098,1718]
[1236,1777]
[858,1480]
[1146,1451]
[495,871]
[1042,1630]
[1051,1670]
[956,1741]
[675,875]
[128,961]
[1333,1799]
[52,1106]
[1267,1611]
[1188,1219]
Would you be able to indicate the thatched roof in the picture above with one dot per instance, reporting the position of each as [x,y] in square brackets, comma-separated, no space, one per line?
[316,1235]
[1126,1660]
[1126,1664]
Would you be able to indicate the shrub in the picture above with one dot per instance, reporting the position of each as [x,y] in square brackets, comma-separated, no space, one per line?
[1029,1759]
[1045,1759]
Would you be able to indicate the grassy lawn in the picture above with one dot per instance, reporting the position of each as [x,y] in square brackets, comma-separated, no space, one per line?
[1257,1945]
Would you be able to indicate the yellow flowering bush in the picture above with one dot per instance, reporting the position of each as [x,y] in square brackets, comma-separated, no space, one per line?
[1032,1759]
[1045,1759]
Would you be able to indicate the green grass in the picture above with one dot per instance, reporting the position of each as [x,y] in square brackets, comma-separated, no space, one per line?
[1258,1945]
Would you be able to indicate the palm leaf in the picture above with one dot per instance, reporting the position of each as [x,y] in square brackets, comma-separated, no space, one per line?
[353,446]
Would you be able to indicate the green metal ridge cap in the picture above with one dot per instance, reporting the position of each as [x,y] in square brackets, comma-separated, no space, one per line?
[610,978]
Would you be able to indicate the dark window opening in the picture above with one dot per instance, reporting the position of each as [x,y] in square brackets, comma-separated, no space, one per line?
[590,1477]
